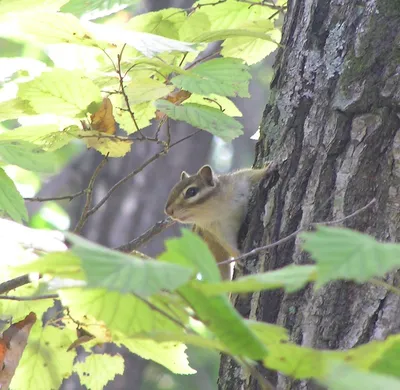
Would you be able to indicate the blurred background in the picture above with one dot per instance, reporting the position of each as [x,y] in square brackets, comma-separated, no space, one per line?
[138,204]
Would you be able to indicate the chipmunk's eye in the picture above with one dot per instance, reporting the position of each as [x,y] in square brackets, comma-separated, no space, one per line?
[190,192]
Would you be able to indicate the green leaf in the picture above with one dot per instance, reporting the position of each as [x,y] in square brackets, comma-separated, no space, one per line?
[144,90]
[29,5]
[124,313]
[233,14]
[99,8]
[389,362]
[45,362]
[27,156]
[194,25]
[203,117]
[223,103]
[377,356]
[165,22]
[97,370]
[143,112]
[61,92]
[47,136]
[218,35]
[12,109]
[17,310]
[215,312]
[191,251]
[222,76]
[11,200]
[60,264]
[345,254]
[291,278]
[345,377]
[250,49]
[124,273]
[169,354]
[148,44]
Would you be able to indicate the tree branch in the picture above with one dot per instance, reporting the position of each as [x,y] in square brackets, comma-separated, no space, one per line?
[157,228]
[65,197]
[14,283]
[89,194]
[260,249]
[163,152]
[13,298]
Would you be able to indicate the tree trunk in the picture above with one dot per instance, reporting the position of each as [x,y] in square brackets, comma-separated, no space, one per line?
[332,124]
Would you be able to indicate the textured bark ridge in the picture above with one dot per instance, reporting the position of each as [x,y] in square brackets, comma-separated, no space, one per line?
[332,123]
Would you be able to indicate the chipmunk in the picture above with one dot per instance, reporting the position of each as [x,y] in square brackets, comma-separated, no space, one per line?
[217,206]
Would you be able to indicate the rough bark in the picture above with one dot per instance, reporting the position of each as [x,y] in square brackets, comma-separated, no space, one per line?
[332,123]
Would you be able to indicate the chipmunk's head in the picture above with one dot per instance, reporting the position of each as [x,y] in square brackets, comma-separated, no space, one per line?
[190,199]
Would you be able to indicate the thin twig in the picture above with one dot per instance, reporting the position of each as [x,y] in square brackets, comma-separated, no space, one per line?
[13,298]
[65,197]
[294,234]
[147,235]
[135,172]
[121,84]
[124,180]
[89,195]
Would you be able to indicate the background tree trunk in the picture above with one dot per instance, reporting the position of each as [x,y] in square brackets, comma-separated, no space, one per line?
[333,124]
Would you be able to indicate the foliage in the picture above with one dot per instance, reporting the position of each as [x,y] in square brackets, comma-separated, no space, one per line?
[151,68]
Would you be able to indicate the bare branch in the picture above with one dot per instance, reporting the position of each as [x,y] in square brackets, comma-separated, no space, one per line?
[163,152]
[13,298]
[147,235]
[89,194]
[14,283]
[65,197]
[258,250]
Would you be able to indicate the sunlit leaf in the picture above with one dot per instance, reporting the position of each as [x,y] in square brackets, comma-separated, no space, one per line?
[63,92]
[61,264]
[165,22]
[169,354]
[344,377]
[203,117]
[95,8]
[232,14]
[30,5]
[40,366]
[126,273]
[144,90]
[216,312]
[223,103]
[46,136]
[11,109]
[222,76]
[252,49]
[11,200]
[106,144]
[346,254]
[119,312]
[98,369]
[291,278]
[27,156]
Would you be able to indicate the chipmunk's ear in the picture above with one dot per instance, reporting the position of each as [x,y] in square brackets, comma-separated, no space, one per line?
[184,175]
[208,175]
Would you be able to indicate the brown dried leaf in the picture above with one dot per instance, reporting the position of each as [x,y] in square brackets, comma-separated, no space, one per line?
[103,120]
[12,346]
